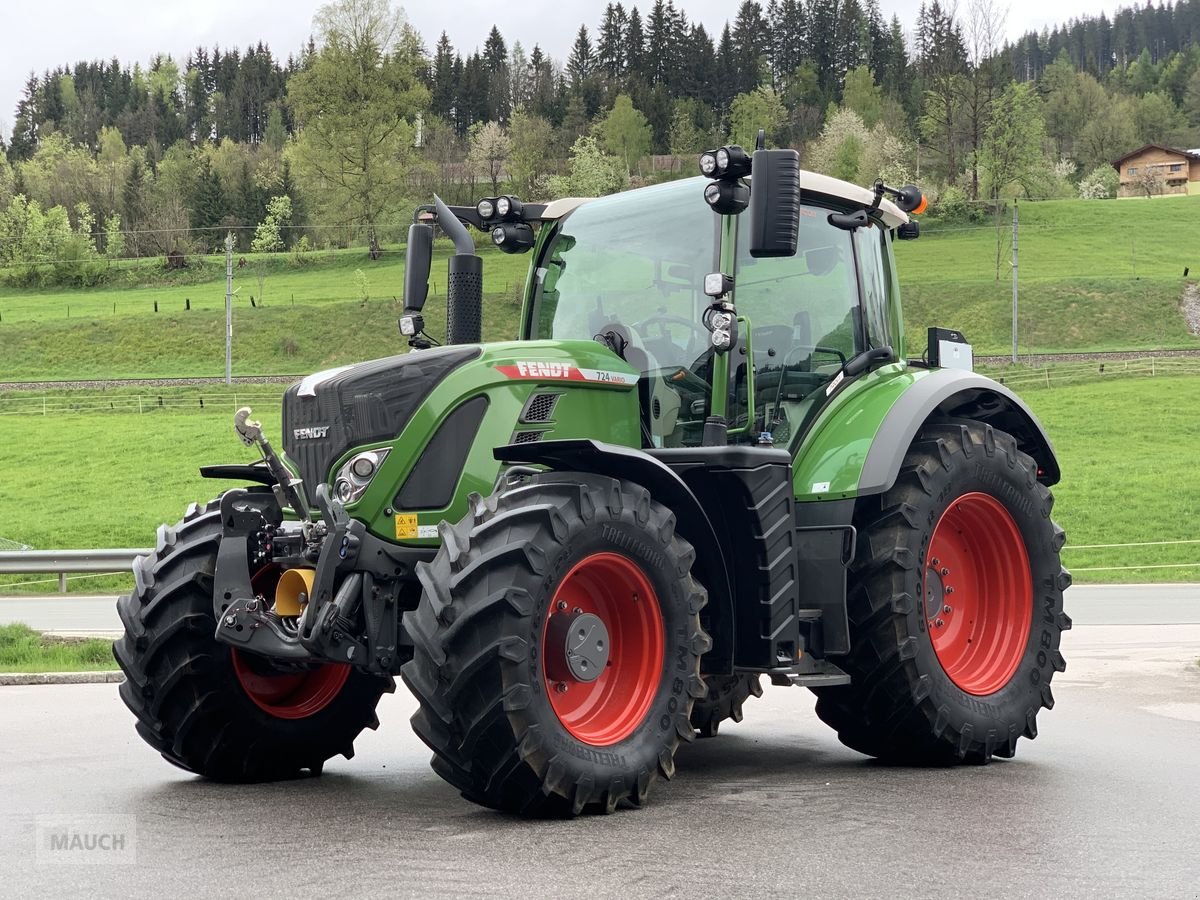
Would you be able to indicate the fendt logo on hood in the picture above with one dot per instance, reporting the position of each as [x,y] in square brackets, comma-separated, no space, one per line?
[544,370]
[311,433]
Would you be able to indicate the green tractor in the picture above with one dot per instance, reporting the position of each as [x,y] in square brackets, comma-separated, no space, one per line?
[706,460]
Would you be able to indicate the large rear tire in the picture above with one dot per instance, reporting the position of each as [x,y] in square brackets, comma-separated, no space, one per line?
[956,605]
[204,706]
[514,722]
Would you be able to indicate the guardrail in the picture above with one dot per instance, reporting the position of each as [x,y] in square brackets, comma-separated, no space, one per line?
[60,562]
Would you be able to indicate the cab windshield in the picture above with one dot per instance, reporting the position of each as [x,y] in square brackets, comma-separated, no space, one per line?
[629,270]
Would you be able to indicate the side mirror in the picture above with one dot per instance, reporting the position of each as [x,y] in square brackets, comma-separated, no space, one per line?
[775,203]
[418,258]
[909,231]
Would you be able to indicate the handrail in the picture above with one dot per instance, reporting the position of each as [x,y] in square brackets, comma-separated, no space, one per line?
[60,562]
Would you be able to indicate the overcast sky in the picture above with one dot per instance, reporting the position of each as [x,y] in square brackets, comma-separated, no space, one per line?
[34,37]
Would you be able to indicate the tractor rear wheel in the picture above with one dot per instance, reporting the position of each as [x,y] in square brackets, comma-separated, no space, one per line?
[956,605]
[208,708]
[726,694]
[557,646]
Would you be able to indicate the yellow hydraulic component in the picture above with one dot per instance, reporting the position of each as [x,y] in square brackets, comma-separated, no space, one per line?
[292,584]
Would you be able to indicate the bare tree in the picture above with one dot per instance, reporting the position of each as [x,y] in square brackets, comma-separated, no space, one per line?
[1149,181]
[360,22]
[984,34]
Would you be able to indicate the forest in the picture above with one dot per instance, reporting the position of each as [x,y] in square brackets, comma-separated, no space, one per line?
[334,145]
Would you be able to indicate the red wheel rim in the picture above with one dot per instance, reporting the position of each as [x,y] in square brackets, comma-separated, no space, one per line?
[286,695]
[978,594]
[616,590]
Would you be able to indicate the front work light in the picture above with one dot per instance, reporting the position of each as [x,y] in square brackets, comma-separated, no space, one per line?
[513,237]
[486,209]
[728,198]
[725,162]
[508,207]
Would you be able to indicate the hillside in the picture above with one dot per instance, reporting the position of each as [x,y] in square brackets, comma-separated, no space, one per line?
[1093,276]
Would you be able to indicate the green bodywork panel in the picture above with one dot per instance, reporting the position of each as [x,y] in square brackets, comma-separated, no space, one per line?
[829,459]
[507,374]
[829,450]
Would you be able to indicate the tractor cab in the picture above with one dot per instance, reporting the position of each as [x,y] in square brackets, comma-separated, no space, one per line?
[629,270]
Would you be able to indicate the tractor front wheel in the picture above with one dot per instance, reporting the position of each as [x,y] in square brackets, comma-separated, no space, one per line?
[557,647]
[205,706]
[726,694]
[955,603]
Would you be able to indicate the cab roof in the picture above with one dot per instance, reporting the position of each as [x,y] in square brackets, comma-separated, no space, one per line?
[810,183]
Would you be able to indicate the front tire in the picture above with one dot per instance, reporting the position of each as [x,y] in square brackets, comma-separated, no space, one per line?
[208,708]
[955,603]
[514,722]
[726,694]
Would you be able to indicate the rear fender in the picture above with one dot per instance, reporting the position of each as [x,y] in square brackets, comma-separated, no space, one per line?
[952,393]
[691,521]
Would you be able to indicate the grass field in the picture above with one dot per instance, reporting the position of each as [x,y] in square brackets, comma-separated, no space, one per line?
[24,650]
[1127,447]
[313,317]
[1094,276]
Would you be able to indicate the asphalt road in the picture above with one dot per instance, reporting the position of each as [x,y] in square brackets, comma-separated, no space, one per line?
[1103,803]
[1119,604]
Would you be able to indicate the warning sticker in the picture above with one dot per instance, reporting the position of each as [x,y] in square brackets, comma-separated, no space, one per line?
[406,526]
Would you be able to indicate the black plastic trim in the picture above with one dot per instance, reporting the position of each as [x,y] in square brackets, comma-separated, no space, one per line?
[236,472]
[431,483]
[952,393]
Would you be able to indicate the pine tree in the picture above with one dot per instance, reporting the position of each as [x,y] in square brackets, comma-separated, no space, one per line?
[581,62]
[495,52]
[635,48]
[610,50]
[444,90]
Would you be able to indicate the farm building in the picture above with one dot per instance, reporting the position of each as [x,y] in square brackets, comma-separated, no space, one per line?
[1155,170]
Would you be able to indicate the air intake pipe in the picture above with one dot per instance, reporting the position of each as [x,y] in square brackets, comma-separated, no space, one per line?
[464,296]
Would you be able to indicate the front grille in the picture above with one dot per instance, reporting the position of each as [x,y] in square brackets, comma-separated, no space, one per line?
[372,401]
[539,408]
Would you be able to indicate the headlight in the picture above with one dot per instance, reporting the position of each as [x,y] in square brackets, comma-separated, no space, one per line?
[708,164]
[486,209]
[503,205]
[353,479]
[722,160]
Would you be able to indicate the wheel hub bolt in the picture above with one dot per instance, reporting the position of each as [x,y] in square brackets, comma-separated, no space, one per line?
[945,572]
[938,622]
[935,562]
[946,609]
[561,687]
[949,590]
[562,604]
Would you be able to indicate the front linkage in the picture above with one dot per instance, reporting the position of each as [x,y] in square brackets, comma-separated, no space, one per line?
[330,565]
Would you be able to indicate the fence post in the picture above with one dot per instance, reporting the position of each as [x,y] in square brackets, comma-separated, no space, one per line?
[1016,228]
[62,582]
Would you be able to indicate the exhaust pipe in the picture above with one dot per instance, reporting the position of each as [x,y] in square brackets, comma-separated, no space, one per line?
[464,296]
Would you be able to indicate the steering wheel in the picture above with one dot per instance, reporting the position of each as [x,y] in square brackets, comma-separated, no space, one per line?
[663,319]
